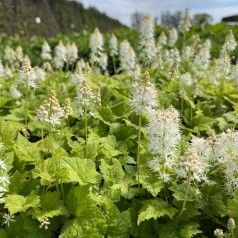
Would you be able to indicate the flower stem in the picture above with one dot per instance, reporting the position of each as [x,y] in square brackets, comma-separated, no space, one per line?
[138,152]
[186,195]
[27,97]
[114,64]
[86,130]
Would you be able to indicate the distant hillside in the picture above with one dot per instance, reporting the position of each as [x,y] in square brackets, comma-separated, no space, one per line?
[55,16]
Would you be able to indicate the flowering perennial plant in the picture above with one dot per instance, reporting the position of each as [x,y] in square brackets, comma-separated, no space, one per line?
[127,57]
[113,45]
[46,52]
[147,47]
[143,95]
[164,137]
[50,111]
[60,56]
[122,162]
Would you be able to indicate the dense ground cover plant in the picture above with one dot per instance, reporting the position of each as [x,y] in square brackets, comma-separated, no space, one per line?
[150,151]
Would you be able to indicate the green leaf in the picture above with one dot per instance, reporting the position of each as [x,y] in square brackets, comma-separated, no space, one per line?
[222,123]
[8,132]
[92,151]
[191,103]
[154,209]
[112,171]
[146,228]
[232,205]
[3,233]
[79,200]
[105,114]
[91,224]
[150,181]
[179,191]
[8,159]
[50,205]
[119,224]
[82,171]
[212,203]
[121,109]
[123,132]
[16,228]
[17,203]
[19,184]
[202,122]
[107,146]
[26,151]
[189,230]
[170,230]
[48,171]
[32,226]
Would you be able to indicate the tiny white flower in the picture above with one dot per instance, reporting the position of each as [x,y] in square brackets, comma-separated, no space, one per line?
[54,119]
[4,179]
[3,165]
[7,218]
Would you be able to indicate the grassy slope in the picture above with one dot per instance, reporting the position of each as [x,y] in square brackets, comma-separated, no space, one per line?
[18,17]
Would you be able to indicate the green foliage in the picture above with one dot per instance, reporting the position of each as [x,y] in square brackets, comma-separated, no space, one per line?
[18,203]
[80,170]
[3,233]
[91,223]
[56,180]
[171,230]
[155,209]
[79,199]
[50,205]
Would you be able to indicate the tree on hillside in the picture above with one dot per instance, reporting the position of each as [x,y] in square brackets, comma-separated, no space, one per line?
[136,19]
[169,19]
[201,18]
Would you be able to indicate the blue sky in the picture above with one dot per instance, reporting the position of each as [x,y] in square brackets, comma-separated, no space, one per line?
[123,9]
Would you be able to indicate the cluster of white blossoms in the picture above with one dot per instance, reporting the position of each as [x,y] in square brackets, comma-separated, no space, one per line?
[71,53]
[186,79]
[96,46]
[26,74]
[14,57]
[172,56]
[78,76]
[51,111]
[230,42]
[185,23]
[127,57]
[113,45]
[60,56]
[216,151]
[164,137]
[162,42]
[231,225]
[219,233]
[222,68]
[45,223]
[173,37]
[86,98]
[193,166]
[202,60]
[46,52]
[226,154]
[143,95]
[147,46]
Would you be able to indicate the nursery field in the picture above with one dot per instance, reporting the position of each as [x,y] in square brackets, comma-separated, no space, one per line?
[131,134]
